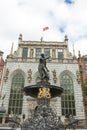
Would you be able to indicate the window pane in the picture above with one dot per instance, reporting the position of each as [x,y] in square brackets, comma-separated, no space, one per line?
[16,95]
[38,52]
[47,52]
[67,99]
[60,54]
[24,53]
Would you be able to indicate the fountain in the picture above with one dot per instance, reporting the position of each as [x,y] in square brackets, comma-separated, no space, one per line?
[43,116]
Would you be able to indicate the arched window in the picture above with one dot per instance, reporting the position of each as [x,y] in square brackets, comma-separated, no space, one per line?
[67,99]
[16,94]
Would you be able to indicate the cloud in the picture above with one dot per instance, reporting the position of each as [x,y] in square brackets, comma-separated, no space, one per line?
[29,17]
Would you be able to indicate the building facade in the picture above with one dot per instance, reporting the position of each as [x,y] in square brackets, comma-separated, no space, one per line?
[22,70]
[1,71]
[1,83]
[82,61]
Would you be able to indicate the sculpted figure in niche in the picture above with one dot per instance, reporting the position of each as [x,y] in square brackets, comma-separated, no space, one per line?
[53,54]
[31,53]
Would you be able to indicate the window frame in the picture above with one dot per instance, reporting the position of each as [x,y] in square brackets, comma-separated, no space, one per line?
[60,53]
[67,98]
[16,94]
[46,52]
[24,53]
[38,52]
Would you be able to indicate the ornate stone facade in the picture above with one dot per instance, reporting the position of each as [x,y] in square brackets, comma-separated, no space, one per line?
[24,62]
[1,70]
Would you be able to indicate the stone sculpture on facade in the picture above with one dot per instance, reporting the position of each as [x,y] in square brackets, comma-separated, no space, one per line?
[78,77]
[29,75]
[6,74]
[31,53]
[54,76]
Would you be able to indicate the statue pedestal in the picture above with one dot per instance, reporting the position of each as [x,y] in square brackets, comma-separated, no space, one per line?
[43,117]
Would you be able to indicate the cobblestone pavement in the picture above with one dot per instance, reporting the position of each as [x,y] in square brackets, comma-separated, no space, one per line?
[9,128]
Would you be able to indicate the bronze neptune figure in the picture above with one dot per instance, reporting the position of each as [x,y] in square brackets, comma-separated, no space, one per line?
[43,70]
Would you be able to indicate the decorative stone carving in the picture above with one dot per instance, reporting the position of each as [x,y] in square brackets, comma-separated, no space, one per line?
[53,53]
[78,76]
[54,76]
[6,74]
[29,75]
[31,53]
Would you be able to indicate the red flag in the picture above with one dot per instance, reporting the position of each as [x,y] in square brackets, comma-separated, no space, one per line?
[45,28]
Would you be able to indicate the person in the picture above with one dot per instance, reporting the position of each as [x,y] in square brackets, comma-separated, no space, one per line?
[42,68]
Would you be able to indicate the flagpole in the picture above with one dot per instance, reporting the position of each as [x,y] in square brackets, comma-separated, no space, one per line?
[41,39]
[44,29]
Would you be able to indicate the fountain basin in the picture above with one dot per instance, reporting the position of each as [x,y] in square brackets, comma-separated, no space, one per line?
[33,90]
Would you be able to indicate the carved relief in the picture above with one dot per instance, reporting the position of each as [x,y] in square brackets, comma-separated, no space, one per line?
[31,53]
[78,76]
[53,53]
[54,76]
[29,75]
[44,93]
[6,74]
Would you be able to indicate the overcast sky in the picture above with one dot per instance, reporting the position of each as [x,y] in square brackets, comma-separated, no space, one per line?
[29,17]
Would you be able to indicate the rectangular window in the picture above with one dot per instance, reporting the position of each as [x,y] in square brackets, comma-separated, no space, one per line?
[38,52]
[47,52]
[24,53]
[60,53]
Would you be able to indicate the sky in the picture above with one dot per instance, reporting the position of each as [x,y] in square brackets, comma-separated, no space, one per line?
[29,17]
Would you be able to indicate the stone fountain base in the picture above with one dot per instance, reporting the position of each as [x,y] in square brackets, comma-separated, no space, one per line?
[43,117]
